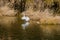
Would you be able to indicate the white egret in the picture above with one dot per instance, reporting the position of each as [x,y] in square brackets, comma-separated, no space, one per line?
[26,18]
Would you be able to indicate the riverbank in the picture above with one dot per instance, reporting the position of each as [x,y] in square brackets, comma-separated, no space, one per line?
[42,17]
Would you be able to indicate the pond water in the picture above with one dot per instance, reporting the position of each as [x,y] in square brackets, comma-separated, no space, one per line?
[26,31]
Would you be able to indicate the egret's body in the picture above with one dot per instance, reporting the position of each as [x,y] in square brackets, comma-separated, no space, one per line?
[26,18]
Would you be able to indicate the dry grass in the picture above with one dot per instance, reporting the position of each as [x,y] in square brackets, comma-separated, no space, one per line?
[43,17]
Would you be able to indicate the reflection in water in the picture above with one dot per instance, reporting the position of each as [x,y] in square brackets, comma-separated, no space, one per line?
[25,25]
[30,32]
